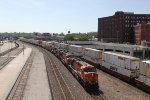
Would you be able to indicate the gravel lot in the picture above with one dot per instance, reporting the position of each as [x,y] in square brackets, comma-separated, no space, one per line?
[116,89]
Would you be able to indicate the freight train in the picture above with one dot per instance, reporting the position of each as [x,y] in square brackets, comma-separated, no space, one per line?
[127,68]
[85,73]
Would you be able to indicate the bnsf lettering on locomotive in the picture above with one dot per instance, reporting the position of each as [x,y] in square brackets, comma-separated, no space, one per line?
[113,68]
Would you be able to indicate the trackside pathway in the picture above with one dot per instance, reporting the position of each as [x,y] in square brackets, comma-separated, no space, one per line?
[10,73]
[37,87]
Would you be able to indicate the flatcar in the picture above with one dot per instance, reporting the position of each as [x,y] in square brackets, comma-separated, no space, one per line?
[123,66]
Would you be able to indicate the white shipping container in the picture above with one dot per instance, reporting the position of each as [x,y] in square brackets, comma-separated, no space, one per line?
[123,64]
[123,60]
[50,43]
[75,48]
[56,44]
[64,46]
[94,60]
[142,68]
[145,68]
[43,43]
[93,53]
[135,64]
[127,63]
[105,64]
[61,45]
[120,70]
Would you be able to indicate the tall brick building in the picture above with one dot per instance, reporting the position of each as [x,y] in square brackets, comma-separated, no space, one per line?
[120,27]
[142,33]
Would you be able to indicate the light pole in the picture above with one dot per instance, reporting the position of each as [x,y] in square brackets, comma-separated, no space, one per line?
[23,48]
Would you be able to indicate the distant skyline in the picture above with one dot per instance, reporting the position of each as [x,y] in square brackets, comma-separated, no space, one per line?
[56,16]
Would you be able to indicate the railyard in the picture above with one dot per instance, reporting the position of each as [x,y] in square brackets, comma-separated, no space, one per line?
[44,76]
[74,50]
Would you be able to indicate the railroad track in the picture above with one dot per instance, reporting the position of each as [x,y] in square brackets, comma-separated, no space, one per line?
[98,95]
[65,91]
[9,58]
[19,86]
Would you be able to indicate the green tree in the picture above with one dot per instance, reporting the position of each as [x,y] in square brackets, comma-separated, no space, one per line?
[61,34]
[69,37]
[82,37]
[90,34]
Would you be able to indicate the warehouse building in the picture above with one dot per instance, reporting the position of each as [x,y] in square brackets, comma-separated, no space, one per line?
[44,36]
[142,33]
[120,26]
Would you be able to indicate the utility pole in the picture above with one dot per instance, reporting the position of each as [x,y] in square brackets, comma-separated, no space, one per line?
[23,48]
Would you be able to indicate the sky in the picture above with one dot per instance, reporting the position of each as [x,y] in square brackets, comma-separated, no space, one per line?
[56,16]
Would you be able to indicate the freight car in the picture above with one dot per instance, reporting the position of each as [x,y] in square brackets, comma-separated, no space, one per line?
[143,81]
[92,56]
[76,50]
[121,66]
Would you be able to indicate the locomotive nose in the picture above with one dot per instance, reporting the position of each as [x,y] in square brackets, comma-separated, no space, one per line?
[93,78]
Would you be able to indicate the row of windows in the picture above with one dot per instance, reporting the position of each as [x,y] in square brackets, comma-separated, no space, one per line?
[137,17]
[127,25]
[126,37]
[127,17]
[138,21]
[126,33]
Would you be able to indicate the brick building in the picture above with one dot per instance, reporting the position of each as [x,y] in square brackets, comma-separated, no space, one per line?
[142,33]
[120,26]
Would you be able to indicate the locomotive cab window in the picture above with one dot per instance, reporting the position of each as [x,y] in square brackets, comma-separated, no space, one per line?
[90,70]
